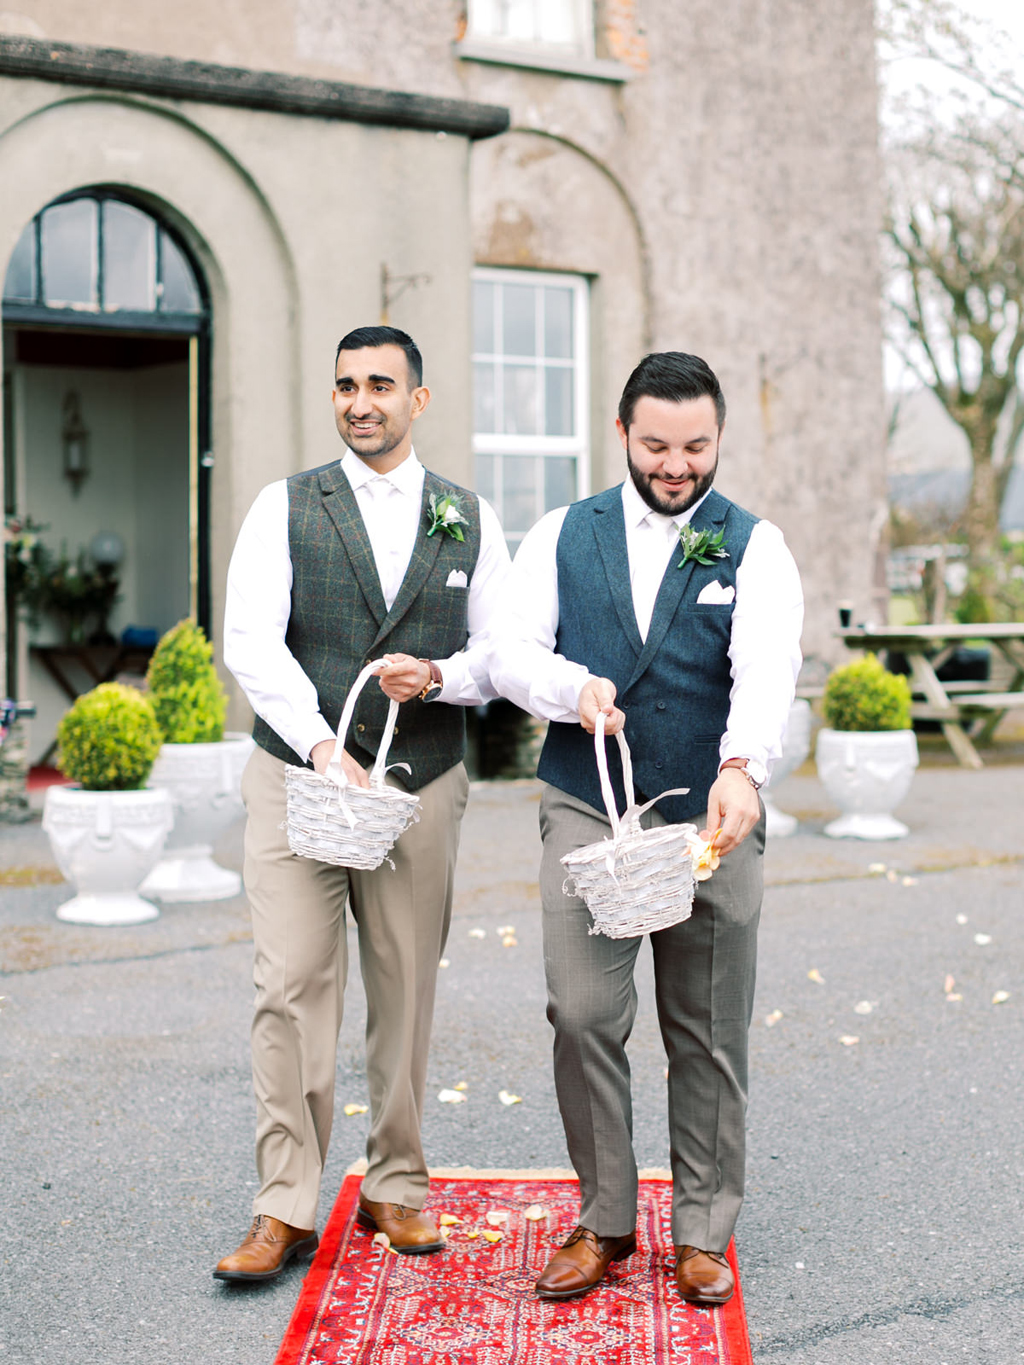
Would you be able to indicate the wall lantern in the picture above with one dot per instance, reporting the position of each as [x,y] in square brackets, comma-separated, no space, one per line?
[75,441]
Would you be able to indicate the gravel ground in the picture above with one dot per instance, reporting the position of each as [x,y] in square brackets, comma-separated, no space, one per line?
[883,1217]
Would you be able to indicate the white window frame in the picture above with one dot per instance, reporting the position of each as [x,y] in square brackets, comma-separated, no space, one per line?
[481,25]
[498,444]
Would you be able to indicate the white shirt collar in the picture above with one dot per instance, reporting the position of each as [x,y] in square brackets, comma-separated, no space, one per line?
[634,509]
[407,477]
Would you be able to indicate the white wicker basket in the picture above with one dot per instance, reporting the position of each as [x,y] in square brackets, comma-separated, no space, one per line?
[334,821]
[639,880]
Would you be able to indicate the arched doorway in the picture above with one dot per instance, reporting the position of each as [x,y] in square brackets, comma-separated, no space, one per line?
[106,325]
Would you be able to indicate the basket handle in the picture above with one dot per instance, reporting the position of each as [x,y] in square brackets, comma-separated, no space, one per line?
[602,768]
[334,769]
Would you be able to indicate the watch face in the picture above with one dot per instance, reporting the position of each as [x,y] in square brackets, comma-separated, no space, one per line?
[432,692]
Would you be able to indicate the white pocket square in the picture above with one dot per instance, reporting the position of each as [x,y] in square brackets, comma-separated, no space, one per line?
[456,579]
[717,593]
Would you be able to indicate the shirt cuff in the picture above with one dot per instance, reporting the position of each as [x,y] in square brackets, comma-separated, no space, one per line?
[310,733]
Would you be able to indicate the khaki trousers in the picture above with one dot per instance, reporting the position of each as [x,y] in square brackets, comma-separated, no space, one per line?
[300,966]
[704,988]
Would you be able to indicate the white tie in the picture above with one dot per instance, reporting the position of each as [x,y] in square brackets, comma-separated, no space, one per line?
[657,534]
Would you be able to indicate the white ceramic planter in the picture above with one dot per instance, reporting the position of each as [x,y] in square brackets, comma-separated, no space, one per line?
[796,745]
[105,843]
[867,774]
[204,781]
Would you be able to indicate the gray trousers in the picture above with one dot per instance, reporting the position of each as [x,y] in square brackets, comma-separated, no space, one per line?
[300,964]
[704,973]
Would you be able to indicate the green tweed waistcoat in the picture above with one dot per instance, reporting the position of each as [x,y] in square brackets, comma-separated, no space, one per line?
[339,621]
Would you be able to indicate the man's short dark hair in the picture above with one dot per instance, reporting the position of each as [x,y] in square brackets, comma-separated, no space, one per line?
[384,336]
[672,375]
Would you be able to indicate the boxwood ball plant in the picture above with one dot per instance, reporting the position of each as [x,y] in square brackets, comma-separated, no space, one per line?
[188,697]
[109,739]
[865,696]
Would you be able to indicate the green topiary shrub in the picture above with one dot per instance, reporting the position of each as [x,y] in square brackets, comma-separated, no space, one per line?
[188,697]
[865,696]
[109,739]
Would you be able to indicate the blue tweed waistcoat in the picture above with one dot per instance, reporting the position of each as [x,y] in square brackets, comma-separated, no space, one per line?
[339,620]
[674,687]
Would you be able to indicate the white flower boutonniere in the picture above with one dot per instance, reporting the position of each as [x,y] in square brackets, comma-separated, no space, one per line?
[447,516]
[702,546]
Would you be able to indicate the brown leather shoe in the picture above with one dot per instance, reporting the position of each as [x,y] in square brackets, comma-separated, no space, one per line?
[267,1249]
[703,1277]
[409,1231]
[581,1264]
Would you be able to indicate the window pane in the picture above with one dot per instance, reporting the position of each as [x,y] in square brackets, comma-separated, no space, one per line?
[558,323]
[518,492]
[485,477]
[556,21]
[485,418]
[483,318]
[129,258]
[20,283]
[558,401]
[180,294]
[69,253]
[519,306]
[522,401]
[559,481]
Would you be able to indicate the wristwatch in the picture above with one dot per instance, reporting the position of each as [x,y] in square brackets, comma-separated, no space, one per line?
[434,683]
[755,773]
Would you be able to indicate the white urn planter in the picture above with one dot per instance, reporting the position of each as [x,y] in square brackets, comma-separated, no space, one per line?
[105,843]
[796,745]
[867,773]
[204,782]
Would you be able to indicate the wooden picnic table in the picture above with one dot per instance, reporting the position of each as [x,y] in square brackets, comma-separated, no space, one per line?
[957,706]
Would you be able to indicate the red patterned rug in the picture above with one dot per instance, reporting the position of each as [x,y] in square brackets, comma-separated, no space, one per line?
[473,1303]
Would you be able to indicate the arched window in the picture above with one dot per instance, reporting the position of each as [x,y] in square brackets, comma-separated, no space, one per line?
[95,258]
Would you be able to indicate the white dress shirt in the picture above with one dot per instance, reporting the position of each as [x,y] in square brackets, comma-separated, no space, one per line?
[764,649]
[258,602]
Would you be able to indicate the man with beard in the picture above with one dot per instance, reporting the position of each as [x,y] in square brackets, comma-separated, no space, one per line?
[666,598]
[370,556]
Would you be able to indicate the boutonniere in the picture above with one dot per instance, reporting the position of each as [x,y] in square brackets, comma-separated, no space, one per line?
[447,516]
[701,546]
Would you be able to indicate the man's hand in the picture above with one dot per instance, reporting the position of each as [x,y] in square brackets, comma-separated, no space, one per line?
[599,695]
[320,756]
[404,677]
[733,807]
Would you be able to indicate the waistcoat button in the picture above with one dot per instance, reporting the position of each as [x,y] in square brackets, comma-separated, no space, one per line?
[658,763]
[661,706]
[360,728]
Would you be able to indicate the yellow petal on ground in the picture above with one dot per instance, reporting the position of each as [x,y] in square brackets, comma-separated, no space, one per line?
[444,962]
[863,1007]
[982,939]
[478,933]
[504,929]
[461,1085]
[892,875]
[1000,997]
[949,982]
[816,976]
[493,1236]
[908,881]
[451,1096]
[535,1213]
[448,1220]
[954,996]
[473,1232]
[848,1039]
[384,1241]
[876,867]
[496,1217]
[961,919]
[510,941]
[351,1109]
[507,1098]
[770,1020]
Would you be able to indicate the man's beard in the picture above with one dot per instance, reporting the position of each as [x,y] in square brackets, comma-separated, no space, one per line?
[384,442]
[669,505]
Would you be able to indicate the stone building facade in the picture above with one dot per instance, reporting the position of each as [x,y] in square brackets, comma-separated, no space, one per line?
[539,190]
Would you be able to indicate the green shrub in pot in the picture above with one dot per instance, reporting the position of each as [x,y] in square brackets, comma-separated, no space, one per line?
[109,739]
[865,696]
[189,699]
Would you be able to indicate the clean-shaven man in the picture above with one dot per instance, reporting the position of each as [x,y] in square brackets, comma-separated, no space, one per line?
[608,612]
[332,568]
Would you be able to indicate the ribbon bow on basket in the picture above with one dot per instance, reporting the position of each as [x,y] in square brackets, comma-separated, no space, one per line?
[639,880]
[334,821]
